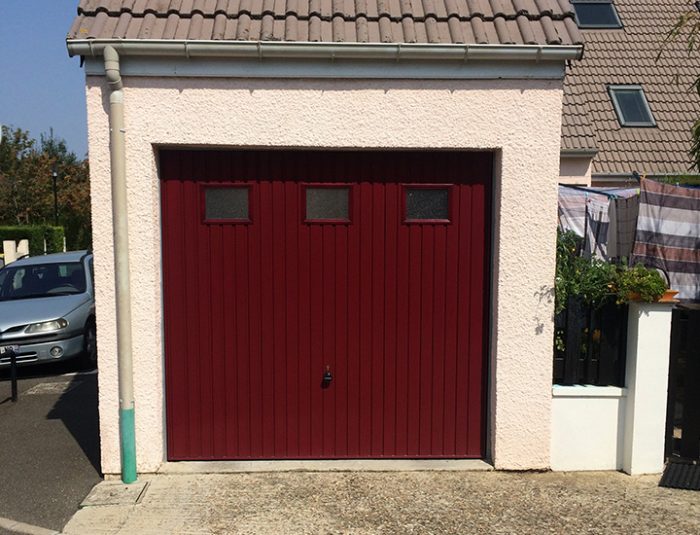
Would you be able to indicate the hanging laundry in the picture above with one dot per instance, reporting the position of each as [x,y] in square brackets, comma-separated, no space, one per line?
[605,217]
[624,209]
[668,235]
[585,212]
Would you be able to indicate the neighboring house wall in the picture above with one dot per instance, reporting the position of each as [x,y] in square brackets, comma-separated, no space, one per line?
[575,170]
[519,120]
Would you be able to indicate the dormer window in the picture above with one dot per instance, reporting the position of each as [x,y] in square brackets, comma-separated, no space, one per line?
[631,105]
[599,14]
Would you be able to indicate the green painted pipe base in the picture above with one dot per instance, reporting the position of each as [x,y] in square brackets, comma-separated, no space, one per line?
[127,435]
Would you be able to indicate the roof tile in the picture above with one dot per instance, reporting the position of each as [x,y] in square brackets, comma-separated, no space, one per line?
[629,56]
[385,21]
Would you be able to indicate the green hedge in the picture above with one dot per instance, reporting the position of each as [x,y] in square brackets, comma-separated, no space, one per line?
[54,239]
[36,234]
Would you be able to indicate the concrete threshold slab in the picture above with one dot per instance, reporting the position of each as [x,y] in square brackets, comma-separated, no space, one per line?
[115,493]
[352,465]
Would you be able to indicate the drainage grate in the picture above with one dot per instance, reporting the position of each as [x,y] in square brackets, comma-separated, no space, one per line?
[681,474]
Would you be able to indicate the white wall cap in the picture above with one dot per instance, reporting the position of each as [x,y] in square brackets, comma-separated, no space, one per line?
[588,391]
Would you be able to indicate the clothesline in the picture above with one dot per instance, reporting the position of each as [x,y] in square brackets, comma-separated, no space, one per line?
[655,224]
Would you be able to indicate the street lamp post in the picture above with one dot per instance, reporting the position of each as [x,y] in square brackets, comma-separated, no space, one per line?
[54,175]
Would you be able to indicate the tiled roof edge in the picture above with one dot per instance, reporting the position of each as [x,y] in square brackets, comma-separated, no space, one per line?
[329,18]
[578,152]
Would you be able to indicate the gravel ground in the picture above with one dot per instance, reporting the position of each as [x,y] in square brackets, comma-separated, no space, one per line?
[399,503]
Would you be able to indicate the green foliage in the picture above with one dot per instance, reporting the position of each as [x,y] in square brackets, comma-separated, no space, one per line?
[647,284]
[590,279]
[595,281]
[682,180]
[54,239]
[568,247]
[686,31]
[36,234]
[26,186]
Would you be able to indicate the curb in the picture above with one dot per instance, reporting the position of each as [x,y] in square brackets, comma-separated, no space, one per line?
[27,529]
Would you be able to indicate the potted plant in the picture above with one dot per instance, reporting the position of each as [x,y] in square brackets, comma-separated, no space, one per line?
[640,283]
[595,282]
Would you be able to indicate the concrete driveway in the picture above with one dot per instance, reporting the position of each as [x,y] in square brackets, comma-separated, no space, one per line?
[49,444]
[389,503]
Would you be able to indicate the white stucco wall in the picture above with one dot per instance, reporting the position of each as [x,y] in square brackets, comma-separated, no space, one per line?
[648,358]
[519,119]
[588,427]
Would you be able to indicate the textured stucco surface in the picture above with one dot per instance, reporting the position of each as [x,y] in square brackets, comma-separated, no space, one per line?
[520,120]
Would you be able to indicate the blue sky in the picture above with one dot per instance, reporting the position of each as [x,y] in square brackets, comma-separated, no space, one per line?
[40,86]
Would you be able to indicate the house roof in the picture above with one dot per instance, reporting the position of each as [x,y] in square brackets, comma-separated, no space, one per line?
[534,22]
[629,56]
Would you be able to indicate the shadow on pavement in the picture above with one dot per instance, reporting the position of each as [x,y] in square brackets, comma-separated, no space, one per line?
[77,409]
[81,419]
[49,443]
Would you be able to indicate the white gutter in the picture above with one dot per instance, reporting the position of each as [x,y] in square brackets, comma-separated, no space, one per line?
[308,50]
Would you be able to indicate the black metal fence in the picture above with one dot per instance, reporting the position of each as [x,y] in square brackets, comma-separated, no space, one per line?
[683,416]
[590,344]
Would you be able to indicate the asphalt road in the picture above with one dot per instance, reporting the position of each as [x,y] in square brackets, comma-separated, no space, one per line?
[49,444]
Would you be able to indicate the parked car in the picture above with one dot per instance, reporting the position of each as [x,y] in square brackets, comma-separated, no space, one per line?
[47,308]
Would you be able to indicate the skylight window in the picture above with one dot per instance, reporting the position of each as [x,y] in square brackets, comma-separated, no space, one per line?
[596,14]
[631,105]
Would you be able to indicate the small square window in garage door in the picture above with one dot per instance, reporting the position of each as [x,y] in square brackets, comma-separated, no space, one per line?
[427,203]
[226,204]
[327,203]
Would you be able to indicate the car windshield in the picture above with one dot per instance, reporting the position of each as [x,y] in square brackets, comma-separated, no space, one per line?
[41,280]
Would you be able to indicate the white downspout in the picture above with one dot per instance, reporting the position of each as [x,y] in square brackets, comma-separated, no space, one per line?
[117,135]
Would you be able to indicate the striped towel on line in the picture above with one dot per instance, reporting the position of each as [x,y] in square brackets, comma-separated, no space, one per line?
[668,235]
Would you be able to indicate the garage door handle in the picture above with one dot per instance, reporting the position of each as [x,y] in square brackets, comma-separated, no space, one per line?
[327,377]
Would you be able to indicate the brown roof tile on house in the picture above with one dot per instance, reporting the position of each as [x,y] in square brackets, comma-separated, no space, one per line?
[543,22]
[628,56]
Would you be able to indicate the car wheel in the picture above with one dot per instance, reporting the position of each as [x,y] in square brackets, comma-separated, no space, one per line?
[89,356]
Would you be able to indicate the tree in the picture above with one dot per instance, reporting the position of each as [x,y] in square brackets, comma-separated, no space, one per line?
[26,190]
[687,30]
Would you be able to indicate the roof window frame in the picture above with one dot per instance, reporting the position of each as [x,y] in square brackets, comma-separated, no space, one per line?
[611,3]
[612,88]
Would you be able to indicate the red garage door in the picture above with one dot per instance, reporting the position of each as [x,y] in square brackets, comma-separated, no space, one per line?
[325,305]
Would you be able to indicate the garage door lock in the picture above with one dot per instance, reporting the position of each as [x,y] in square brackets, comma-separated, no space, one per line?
[327,377]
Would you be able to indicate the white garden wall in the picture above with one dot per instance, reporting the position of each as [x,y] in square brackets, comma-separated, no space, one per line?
[587,427]
[610,428]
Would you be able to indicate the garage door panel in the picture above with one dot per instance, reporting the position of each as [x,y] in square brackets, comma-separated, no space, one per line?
[256,311]
[477,320]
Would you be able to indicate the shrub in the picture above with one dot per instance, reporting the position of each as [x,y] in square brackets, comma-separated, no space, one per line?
[36,234]
[597,282]
[639,282]
[54,239]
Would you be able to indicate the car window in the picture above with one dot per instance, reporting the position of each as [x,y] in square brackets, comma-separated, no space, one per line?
[43,280]
[91,265]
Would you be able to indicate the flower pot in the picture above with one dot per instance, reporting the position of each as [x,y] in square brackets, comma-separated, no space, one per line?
[669,296]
